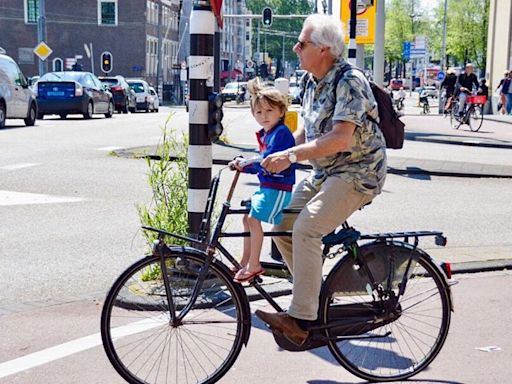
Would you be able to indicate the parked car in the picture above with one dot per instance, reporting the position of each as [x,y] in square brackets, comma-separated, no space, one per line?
[64,93]
[155,103]
[17,100]
[396,84]
[232,90]
[124,97]
[431,91]
[142,95]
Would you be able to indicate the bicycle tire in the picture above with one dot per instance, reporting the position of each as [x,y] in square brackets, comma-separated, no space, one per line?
[400,348]
[455,121]
[476,117]
[141,342]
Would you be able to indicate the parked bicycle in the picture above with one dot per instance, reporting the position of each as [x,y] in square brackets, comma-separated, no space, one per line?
[472,115]
[176,316]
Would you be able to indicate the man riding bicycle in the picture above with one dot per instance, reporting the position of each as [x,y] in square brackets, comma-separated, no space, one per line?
[449,86]
[465,84]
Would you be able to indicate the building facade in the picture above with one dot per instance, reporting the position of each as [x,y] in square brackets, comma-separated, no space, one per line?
[499,41]
[128,29]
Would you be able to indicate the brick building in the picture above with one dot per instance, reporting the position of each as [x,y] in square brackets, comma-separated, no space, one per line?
[128,29]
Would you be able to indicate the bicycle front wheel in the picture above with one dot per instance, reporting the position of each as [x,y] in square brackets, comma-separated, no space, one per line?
[476,117]
[397,333]
[145,345]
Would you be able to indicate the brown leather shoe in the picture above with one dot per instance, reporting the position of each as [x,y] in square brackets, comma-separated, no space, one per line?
[285,324]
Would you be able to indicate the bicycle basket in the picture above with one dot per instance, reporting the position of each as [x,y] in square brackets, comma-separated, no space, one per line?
[478,99]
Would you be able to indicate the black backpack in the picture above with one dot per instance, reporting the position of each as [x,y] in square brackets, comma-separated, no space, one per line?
[390,124]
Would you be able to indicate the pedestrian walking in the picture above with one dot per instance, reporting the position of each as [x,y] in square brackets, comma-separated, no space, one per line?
[502,105]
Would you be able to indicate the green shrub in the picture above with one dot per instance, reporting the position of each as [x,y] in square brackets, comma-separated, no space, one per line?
[168,179]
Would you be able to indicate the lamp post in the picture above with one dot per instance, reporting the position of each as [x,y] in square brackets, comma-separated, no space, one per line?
[443,48]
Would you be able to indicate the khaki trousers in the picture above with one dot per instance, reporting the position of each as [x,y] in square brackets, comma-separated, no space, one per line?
[323,210]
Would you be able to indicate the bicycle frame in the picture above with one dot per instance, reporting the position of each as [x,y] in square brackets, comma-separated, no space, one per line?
[347,237]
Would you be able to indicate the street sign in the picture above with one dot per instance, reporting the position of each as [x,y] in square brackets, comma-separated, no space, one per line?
[365,25]
[406,50]
[441,75]
[249,64]
[42,50]
[417,53]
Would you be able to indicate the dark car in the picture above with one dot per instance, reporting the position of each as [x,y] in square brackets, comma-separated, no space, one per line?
[63,93]
[124,96]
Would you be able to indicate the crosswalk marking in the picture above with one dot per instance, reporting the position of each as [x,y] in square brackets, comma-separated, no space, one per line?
[13,167]
[23,198]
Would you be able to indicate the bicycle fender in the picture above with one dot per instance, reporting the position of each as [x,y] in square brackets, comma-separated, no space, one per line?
[246,310]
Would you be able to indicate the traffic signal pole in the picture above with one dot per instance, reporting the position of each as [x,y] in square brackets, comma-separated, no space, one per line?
[201,71]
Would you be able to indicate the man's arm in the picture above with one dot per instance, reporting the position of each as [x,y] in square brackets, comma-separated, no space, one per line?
[337,140]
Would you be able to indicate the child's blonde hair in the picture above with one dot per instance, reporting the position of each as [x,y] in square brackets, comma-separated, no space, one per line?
[270,95]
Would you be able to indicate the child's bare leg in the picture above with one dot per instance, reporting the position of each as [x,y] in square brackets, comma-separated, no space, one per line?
[247,243]
[256,244]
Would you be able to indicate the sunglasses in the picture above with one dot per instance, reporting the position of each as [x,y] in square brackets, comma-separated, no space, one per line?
[302,44]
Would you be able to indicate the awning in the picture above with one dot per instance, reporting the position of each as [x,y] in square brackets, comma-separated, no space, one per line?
[234,74]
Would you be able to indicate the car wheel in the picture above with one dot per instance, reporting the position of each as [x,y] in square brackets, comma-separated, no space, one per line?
[90,111]
[63,115]
[2,115]
[32,114]
[110,111]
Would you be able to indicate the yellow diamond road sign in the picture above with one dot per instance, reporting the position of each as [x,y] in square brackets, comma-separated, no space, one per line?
[42,50]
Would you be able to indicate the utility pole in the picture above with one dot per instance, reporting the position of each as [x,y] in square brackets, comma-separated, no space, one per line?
[258,45]
[443,48]
[201,63]
[41,34]
[352,46]
[159,86]
[378,55]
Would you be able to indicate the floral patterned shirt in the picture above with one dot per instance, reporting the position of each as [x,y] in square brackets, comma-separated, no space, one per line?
[364,163]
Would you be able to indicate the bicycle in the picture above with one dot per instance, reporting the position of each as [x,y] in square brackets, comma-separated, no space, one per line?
[473,113]
[425,105]
[176,316]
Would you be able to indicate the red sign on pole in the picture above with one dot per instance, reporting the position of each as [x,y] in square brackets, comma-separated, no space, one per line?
[216,8]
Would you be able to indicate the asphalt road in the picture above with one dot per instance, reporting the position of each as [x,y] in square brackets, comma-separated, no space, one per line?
[70,226]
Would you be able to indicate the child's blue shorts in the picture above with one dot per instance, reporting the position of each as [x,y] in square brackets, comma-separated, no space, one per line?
[267,205]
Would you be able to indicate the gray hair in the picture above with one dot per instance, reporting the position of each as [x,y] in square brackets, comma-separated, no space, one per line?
[327,31]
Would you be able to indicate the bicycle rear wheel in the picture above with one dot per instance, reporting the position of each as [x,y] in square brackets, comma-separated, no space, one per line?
[455,120]
[476,117]
[138,334]
[397,335]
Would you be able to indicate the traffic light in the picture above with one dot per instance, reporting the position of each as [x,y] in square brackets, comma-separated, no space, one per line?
[106,62]
[267,17]
[215,116]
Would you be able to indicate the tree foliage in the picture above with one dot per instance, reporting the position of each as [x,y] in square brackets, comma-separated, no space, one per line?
[289,28]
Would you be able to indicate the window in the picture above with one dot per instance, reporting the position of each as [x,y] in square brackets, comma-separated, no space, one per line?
[57,65]
[31,11]
[107,12]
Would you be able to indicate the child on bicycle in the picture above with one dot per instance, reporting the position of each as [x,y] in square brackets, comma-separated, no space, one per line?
[268,106]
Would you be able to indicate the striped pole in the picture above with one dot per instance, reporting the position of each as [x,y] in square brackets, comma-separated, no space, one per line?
[352,47]
[201,67]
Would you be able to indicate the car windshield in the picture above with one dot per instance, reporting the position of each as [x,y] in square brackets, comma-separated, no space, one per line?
[62,76]
[231,86]
[137,87]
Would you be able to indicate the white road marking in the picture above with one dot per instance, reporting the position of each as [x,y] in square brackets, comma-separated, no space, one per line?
[24,198]
[108,148]
[18,166]
[75,346]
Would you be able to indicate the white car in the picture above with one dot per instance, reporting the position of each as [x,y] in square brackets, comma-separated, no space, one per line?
[155,103]
[142,95]
[233,90]
[17,100]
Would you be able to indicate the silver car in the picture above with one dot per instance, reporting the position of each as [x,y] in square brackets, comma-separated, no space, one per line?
[17,100]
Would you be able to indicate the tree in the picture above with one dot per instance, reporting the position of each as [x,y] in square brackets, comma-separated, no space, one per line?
[286,30]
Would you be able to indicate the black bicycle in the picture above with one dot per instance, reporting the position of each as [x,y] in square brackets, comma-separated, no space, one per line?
[472,114]
[176,316]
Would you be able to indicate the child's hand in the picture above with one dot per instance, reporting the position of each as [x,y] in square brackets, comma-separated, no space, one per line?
[235,164]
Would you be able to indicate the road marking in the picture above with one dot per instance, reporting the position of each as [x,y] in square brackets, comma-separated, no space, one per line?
[108,148]
[23,198]
[75,346]
[18,166]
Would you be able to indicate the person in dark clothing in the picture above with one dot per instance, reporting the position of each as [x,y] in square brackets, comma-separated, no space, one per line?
[465,84]
[503,87]
[449,85]
[483,89]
